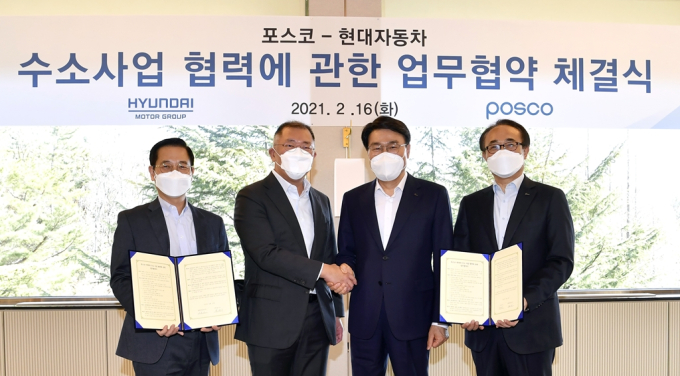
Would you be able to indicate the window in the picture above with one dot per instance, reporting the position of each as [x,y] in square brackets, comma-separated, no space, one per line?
[64,186]
[622,191]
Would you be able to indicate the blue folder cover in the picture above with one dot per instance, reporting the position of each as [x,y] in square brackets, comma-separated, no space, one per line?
[176,261]
[488,257]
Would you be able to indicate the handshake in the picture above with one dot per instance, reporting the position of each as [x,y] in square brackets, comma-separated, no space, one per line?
[339,278]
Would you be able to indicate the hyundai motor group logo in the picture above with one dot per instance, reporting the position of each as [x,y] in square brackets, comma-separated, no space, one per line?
[160,108]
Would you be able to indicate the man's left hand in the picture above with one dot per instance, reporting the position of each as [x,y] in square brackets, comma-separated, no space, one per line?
[338,330]
[506,324]
[210,329]
[437,336]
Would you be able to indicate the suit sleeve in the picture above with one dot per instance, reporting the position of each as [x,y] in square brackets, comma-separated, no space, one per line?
[121,281]
[259,242]
[346,246]
[223,240]
[443,240]
[338,303]
[461,231]
[559,261]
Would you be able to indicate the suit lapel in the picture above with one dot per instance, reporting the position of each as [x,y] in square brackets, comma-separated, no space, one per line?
[410,198]
[486,208]
[367,204]
[160,229]
[280,200]
[200,229]
[525,196]
[319,226]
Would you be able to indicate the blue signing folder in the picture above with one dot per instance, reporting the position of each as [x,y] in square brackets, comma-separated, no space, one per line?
[190,292]
[481,287]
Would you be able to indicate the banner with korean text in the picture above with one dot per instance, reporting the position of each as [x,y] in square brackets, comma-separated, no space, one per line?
[128,70]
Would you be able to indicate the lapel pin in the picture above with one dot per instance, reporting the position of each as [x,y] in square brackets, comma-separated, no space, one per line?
[526,193]
[415,194]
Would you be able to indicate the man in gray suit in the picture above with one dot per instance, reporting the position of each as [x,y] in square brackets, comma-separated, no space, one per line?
[288,315]
[168,226]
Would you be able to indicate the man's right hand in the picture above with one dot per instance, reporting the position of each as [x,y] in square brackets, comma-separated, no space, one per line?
[472,325]
[339,278]
[171,331]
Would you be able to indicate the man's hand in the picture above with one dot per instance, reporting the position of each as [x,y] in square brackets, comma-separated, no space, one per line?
[339,279]
[168,332]
[472,325]
[338,330]
[437,336]
[505,324]
[210,329]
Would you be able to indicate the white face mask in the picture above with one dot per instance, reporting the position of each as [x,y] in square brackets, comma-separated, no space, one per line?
[174,183]
[505,163]
[387,166]
[296,163]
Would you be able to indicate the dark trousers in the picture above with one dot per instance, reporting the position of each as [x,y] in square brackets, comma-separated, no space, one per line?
[369,356]
[498,360]
[183,356]
[306,357]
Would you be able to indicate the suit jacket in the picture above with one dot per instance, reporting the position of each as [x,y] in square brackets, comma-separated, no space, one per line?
[401,274]
[541,221]
[278,272]
[143,229]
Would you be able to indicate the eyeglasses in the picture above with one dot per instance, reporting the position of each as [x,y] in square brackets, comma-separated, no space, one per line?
[390,148]
[182,167]
[511,146]
[291,146]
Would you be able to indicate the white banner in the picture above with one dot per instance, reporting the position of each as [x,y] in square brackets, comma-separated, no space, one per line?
[127,70]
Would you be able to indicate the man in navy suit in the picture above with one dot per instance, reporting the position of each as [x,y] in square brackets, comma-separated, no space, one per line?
[390,229]
[515,210]
[171,226]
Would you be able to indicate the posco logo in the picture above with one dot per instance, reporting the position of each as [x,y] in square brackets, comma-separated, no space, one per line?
[519,108]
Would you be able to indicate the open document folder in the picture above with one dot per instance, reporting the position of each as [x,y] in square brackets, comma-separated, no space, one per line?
[190,292]
[481,287]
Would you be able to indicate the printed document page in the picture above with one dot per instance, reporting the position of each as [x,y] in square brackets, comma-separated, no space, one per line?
[207,290]
[507,301]
[154,289]
[464,287]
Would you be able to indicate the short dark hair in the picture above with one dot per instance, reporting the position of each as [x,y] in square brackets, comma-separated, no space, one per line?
[294,124]
[153,154]
[385,122]
[526,140]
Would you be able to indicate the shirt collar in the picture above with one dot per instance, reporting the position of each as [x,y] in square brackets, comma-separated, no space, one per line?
[286,185]
[513,184]
[399,186]
[169,208]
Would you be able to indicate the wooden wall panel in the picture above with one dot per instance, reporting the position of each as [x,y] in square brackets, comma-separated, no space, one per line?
[628,338]
[55,343]
[565,356]
[674,338]
[2,344]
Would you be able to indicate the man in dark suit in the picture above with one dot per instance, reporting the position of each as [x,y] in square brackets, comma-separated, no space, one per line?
[288,314]
[515,210]
[168,226]
[390,229]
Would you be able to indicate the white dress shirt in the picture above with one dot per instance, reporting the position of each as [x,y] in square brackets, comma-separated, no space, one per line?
[302,206]
[386,208]
[503,202]
[181,229]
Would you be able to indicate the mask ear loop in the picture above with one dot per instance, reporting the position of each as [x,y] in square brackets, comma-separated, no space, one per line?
[277,153]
